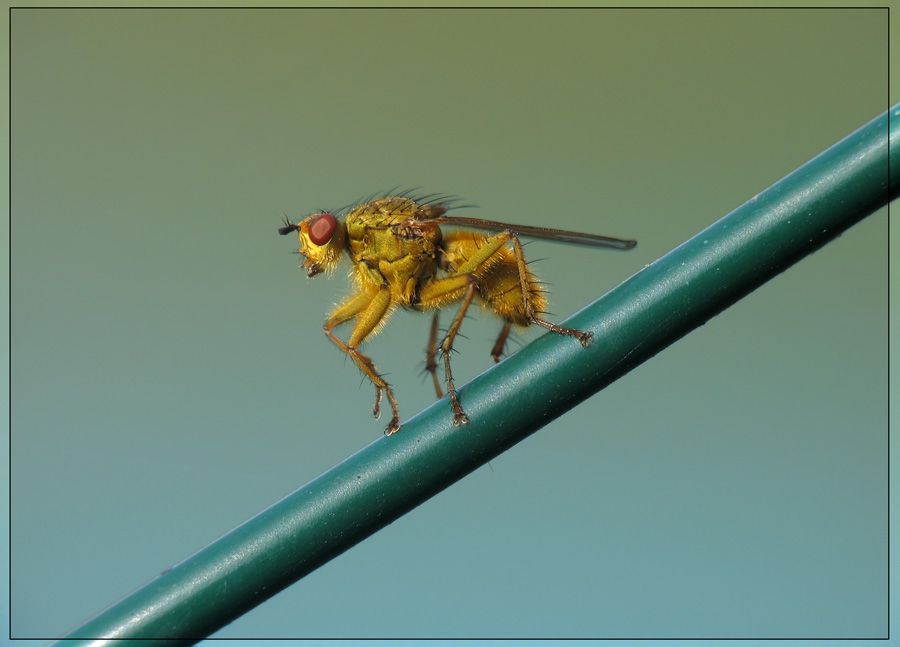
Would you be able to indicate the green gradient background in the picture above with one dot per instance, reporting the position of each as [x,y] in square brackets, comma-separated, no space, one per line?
[170,376]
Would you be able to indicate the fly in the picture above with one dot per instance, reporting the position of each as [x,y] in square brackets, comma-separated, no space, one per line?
[402,258]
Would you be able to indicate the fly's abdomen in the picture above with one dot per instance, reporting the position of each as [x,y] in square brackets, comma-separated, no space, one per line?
[501,290]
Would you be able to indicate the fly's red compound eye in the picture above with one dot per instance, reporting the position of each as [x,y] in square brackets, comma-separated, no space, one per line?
[322,227]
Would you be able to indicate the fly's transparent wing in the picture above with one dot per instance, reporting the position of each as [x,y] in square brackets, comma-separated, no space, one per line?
[545,233]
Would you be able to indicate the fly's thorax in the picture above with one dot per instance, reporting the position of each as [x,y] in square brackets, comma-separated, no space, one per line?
[383,212]
[379,231]
[383,255]
[394,210]
[391,210]
[390,243]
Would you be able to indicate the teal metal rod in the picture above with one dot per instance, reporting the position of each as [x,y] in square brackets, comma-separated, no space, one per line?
[515,398]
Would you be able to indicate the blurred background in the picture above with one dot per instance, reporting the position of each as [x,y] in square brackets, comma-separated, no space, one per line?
[170,377]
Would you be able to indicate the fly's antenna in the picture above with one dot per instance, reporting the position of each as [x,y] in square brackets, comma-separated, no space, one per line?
[288,227]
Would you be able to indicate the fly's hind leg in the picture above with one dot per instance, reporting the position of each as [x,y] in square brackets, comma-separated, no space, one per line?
[582,336]
[462,286]
[500,344]
[371,310]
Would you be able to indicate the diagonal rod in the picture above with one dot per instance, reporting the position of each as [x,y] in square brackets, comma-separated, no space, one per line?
[654,308]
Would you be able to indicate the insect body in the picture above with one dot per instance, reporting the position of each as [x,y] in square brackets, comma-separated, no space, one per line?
[402,258]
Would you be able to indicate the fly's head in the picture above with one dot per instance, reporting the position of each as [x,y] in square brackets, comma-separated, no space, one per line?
[321,241]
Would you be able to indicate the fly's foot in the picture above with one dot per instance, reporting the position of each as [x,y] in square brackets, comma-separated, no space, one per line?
[584,337]
[376,408]
[459,416]
[394,424]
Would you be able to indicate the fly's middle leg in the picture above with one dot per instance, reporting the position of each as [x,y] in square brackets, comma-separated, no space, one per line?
[431,354]
[438,293]
[459,416]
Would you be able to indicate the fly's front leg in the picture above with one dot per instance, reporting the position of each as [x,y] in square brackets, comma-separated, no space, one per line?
[582,336]
[371,309]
